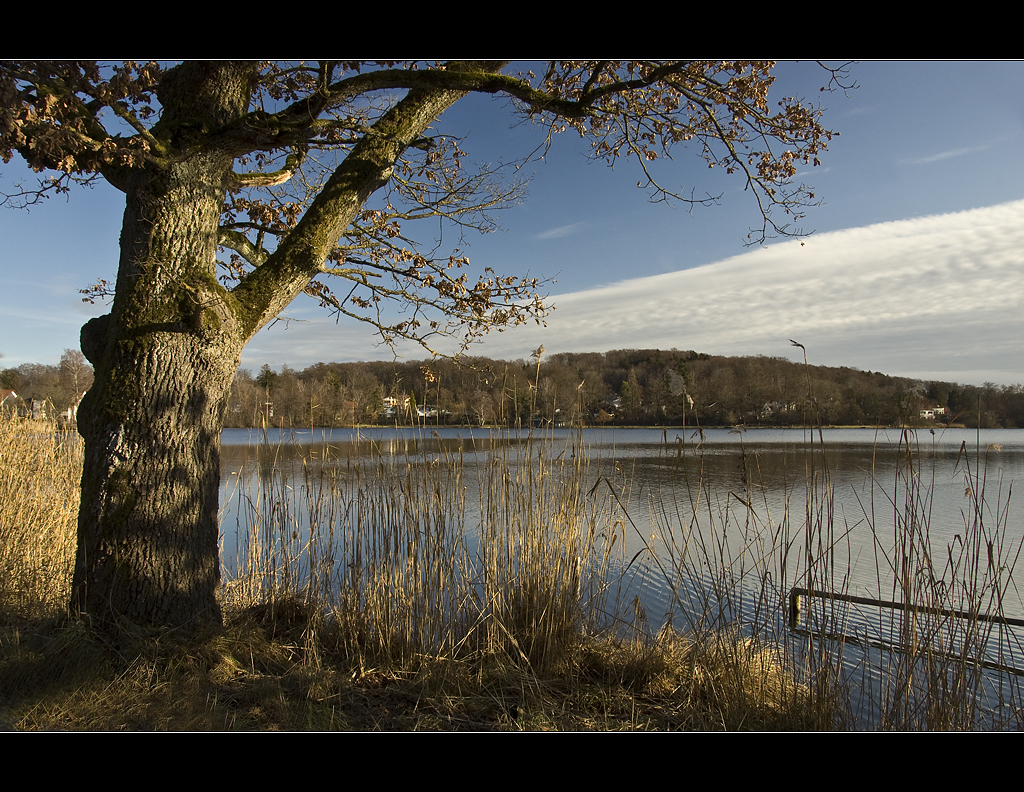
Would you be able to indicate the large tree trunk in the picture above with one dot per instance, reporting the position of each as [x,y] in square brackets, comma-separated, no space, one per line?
[167,352]
[165,357]
[148,527]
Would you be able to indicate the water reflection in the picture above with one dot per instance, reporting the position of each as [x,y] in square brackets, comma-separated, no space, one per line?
[718,526]
[860,485]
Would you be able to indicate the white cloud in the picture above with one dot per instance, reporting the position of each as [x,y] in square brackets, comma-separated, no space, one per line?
[944,155]
[939,297]
[561,231]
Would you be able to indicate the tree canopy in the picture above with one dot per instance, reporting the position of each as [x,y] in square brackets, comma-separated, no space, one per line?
[302,132]
[247,183]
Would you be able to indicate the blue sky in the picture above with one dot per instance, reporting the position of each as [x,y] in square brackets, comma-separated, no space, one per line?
[915,267]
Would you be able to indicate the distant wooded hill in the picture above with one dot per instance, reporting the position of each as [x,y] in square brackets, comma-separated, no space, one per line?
[623,387]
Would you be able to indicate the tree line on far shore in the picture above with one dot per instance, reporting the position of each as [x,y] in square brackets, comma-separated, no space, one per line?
[625,387]
[57,389]
[645,387]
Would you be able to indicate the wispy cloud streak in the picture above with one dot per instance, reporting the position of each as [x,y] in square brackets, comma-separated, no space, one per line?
[945,155]
[939,297]
[562,231]
[934,297]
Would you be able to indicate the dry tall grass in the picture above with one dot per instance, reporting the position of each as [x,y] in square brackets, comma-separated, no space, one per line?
[405,558]
[951,658]
[944,655]
[40,482]
[491,596]
[514,565]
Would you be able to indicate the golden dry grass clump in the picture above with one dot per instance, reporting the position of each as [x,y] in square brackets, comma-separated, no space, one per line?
[40,478]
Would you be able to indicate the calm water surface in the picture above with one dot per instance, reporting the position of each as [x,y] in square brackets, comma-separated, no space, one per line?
[869,484]
[721,524]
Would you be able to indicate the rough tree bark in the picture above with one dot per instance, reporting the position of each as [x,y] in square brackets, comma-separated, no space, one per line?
[164,359]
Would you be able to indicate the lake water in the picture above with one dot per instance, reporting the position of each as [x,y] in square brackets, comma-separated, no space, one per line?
[720,525]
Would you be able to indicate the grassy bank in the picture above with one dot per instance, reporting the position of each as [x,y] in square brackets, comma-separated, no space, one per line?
[401,593]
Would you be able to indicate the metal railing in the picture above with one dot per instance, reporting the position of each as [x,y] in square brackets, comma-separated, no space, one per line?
[795,608]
